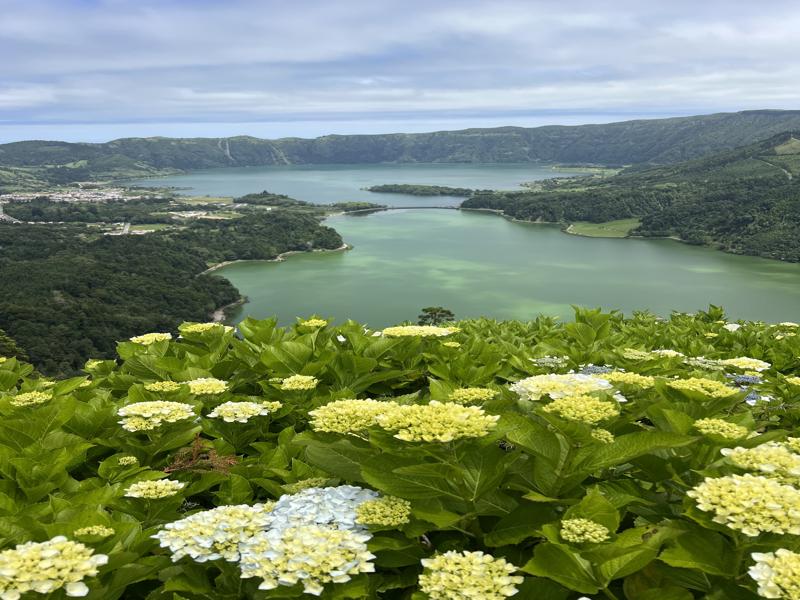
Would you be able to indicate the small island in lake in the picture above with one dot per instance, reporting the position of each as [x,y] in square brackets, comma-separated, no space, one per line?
[420,190]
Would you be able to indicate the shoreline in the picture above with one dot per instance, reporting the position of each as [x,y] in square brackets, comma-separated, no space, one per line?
[220,314]
[280,258]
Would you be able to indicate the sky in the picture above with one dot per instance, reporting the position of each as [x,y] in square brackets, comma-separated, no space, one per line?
[94,70]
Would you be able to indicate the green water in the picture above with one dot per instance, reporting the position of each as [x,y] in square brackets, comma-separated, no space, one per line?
[477,264]
[481,264]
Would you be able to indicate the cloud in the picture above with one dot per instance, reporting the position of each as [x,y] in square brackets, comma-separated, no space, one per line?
[125,61]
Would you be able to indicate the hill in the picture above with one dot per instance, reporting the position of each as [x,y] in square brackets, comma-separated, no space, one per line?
[745,200]
[659,141]
[77,291]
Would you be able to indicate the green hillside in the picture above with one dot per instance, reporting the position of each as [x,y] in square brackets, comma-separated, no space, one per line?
[745,200]
[643,141]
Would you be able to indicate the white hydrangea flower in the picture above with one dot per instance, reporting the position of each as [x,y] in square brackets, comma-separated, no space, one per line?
[334,506]
[241,412]
[145,416]
[777,574]
[207,385]
[312,555]
[558,386]
[214,534]
[154,490]
[45,567]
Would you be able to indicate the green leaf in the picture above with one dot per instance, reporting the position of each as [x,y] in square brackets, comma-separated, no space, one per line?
[703,550]
[531,435]
[595,507]
[520,524]
[563,566]
[395,476]
[627,447]
[340,458]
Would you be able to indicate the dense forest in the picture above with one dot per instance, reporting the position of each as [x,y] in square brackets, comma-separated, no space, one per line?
[420,190]
[659,141]
[133,211]
[745,201]
[266,198]
[76,293]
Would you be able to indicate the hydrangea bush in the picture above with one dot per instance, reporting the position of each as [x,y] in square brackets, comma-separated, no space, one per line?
[633,458]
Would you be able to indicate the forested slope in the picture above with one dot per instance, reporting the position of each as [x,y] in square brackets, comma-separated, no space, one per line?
[643,141]
[745,200]
[72,293]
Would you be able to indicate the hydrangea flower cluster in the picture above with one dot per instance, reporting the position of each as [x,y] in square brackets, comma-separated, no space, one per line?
[550,362]
[207,386]
[586,409]
[468,576]
[744,363]
[3,359]
[299,382]
[702,362]
[154,490]
[151,338]
[772,459]
[582,531]
[146,416]
[330,506]
[30,398]
[451,344]
[792,443]
[793,381]
[315,323]
[749,503]
[94,531]
[419,331]
[559,386]
[777,574]
[592,369]
[241,412]
[634,354]
[214,534]
[604,436]
[312,555]
[707,387]
[202,327]
[437,422]
[45,567]
[720,428]
[632,379]
[667,353]
[127,461]
[471,395]
[351,417]
[163,386]
[386,511]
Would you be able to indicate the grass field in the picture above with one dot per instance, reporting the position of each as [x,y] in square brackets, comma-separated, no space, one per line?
[150,226]
[616,229]
[205,199]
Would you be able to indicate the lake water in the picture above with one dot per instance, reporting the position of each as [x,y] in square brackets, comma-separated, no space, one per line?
[477,263]
[326,184]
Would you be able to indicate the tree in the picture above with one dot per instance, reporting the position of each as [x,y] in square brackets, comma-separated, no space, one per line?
[435,315]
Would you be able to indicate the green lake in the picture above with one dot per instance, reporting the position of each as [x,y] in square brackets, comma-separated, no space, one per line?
[478,263]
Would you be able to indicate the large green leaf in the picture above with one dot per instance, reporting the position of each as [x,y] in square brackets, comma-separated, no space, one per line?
[563,566]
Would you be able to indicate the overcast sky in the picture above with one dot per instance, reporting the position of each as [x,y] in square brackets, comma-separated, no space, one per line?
[98,69]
